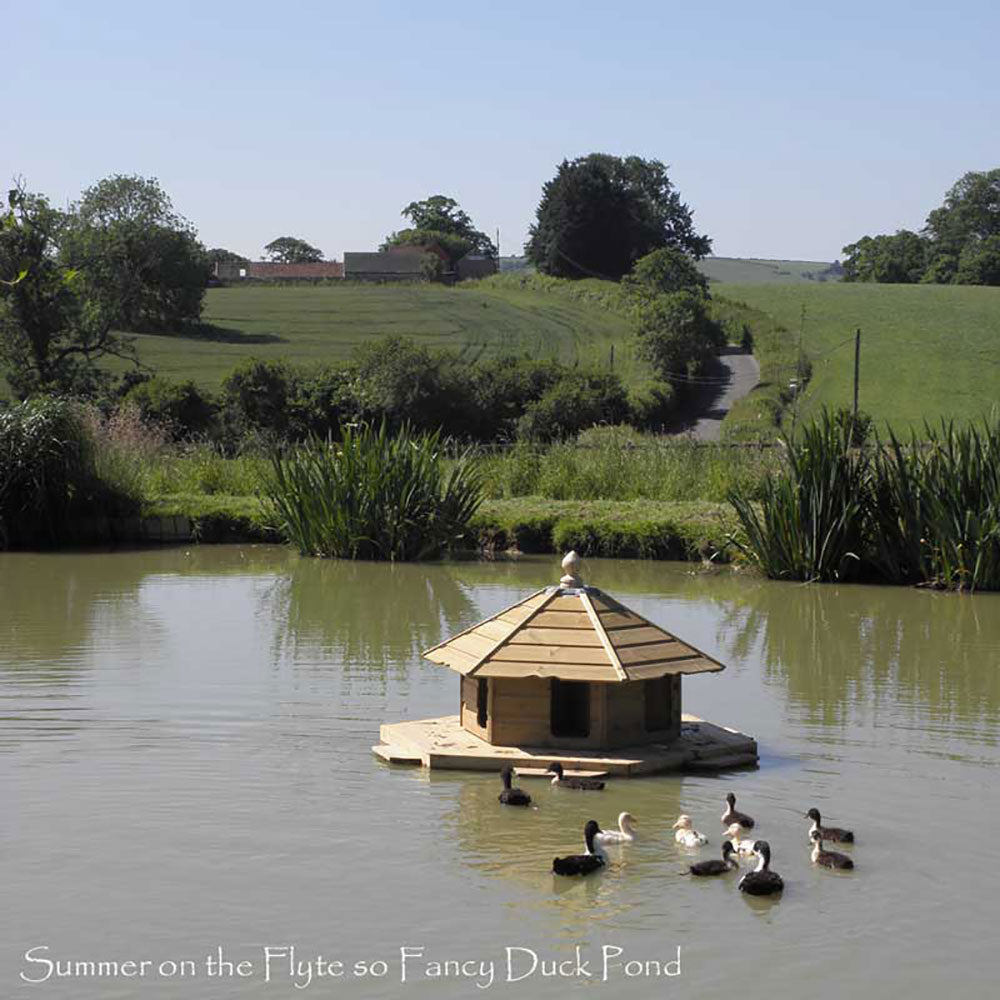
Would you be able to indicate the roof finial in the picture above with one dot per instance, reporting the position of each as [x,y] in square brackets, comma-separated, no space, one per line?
[571,563]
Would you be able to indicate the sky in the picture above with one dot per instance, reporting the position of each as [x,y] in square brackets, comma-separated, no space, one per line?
[790,129]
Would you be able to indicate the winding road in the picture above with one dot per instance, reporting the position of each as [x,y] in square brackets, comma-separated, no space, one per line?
[743,374]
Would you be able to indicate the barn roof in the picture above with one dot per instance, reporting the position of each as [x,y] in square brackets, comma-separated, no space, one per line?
[571,632]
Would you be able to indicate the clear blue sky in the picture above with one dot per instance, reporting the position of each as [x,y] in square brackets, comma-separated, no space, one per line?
[789,128]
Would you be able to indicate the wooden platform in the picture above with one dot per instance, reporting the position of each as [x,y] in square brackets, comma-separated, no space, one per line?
[442,743]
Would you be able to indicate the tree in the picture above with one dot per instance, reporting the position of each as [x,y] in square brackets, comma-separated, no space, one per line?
[971,211]
[51,334]
[601,213]
[662,272]
[139,258]
[220,255]
[291,250]
[677,336]
[979,263]
[439,221]
[893,260]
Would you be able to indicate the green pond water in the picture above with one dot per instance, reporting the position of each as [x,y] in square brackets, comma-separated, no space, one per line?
[185,766]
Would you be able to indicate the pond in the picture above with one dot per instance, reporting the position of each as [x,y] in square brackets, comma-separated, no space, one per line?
[185,757]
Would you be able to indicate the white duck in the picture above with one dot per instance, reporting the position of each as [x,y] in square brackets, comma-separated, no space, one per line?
[744,848]
[625,833]
[686,834]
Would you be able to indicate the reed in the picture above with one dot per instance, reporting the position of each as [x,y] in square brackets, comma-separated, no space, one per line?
[935,508]
[372,495]
[810,522]
[48,480]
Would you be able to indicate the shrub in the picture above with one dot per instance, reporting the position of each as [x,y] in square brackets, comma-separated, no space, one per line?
[180,407]
[373,495]
[255,399]
[663,272]
[575,402]
[676,334]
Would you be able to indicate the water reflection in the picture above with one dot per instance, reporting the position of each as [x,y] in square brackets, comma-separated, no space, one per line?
[368,614]
[838,648]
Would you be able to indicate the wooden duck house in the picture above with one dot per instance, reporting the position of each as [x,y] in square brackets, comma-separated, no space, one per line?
[572,674]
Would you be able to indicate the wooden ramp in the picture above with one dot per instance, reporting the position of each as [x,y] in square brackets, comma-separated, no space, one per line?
[443,743]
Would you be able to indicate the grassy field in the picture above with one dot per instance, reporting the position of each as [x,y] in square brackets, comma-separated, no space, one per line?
[927,351]
[757,271]
[306,324]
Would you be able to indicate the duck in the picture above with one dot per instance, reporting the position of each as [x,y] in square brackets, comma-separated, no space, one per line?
[761,881]
[512,796]
[583,784]
[686,834]
[744,848]
[623,835]
[733,815]
[583,864]
[828,859]
[713,866]
[834,833]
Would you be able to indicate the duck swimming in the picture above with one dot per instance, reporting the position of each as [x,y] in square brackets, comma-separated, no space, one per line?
[583,864]
[686,834]
[745,848]
[714,866]
[828,859]
[584,784]
[834,833]
[761,881]
[623,835]
[733,815]
[512,796]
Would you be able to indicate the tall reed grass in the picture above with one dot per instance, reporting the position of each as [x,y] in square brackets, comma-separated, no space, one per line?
[619,463]
[49,483]
[935,508]
[372,495]
[926,512]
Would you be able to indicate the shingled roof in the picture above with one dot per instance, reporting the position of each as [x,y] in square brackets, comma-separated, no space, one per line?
[571,632]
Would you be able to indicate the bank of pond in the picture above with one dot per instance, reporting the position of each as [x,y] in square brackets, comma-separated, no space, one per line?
[831,503]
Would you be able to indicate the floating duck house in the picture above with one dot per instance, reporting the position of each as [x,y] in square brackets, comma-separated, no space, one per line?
[569,674]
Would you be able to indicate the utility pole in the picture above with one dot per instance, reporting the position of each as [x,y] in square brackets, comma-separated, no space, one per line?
[498,249]
[857,367]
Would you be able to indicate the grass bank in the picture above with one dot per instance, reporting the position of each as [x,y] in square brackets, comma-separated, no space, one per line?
[646,529]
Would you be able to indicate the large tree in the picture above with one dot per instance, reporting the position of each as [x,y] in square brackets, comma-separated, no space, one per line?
[601,213]
[51,333]
[140,259]
[439,221]
[892,260]
[292,250]
[957,244]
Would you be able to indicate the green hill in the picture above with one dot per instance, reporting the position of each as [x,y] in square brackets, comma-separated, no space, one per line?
[927,351]
[305,324]
[754,270]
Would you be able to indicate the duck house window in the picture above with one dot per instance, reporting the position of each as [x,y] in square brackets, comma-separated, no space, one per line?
[570,708]
[659,703]
[482,701]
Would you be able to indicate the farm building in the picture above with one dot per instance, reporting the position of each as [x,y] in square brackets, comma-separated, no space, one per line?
[263,270]
[570,674]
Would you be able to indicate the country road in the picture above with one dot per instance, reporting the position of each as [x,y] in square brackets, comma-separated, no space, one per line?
[743,374]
